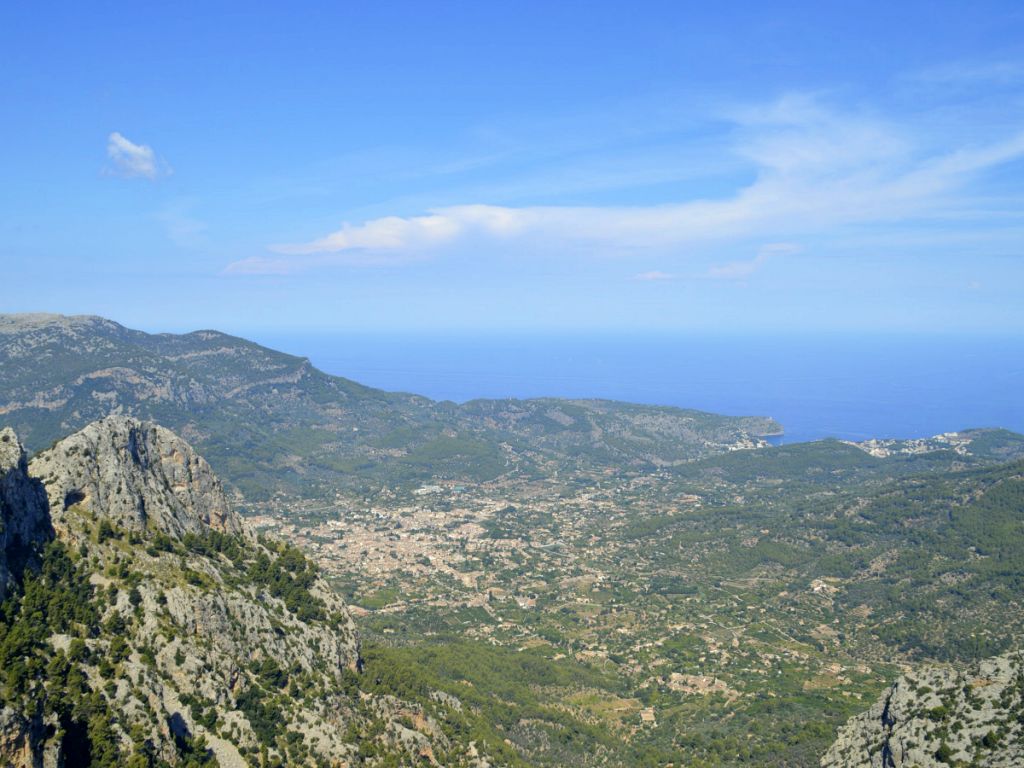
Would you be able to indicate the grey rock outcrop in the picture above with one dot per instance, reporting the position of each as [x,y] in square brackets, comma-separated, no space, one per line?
[233,638]
[937,717]
[23,741]
[138,475]
[24,516]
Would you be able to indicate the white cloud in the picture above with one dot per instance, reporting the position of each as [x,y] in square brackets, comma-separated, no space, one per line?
[815,170]
[395,232]
[134,160]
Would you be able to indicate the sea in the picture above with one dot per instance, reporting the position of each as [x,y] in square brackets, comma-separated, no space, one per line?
[852,387]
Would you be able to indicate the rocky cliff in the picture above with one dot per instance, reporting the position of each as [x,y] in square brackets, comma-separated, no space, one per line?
[146,626]
[939,717]
[142,476]
[24,522]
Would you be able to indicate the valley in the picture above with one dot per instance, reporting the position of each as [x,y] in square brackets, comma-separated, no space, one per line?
[537,582]
[734,616]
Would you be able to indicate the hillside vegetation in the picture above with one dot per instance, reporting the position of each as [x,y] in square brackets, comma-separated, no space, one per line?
[534,583]
[270,422]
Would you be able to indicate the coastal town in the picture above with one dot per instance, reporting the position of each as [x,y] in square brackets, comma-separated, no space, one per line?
[568,568]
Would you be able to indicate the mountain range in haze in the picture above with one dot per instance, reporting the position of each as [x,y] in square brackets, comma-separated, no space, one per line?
[272,422]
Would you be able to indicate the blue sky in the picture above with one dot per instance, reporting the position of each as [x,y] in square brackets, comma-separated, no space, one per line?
[752,166]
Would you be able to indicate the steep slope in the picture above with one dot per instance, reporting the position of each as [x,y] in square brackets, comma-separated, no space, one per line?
[937,717]
[142,476]
[269,422]
[150,628]
[24,522]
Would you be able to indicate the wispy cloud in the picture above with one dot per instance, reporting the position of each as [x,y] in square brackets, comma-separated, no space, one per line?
[654,276]
[741,270]
[968,74]
[134,160]
[183,228]
[262,265]
[815,169]
[395,232]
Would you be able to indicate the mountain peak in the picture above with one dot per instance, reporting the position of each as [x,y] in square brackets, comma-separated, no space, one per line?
[139,475]
[28,321]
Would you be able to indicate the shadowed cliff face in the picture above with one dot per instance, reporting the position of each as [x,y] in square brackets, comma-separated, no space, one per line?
[141,476]
[24,516]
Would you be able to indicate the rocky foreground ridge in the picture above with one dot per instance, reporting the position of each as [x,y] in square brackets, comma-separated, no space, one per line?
[144,625]
[142,476]
[939,717]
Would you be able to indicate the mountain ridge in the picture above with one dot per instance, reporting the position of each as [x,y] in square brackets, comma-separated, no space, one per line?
[272,422]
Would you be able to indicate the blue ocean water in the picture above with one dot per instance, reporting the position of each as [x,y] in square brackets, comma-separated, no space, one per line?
[852,387]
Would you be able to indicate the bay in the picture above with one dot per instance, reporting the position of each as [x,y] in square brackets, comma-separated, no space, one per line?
[852,387]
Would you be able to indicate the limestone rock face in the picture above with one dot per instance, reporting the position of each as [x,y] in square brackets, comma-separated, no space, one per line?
[23,742]
[24,516]
[18,743]
[230,637]
[938,717]
[138,475]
